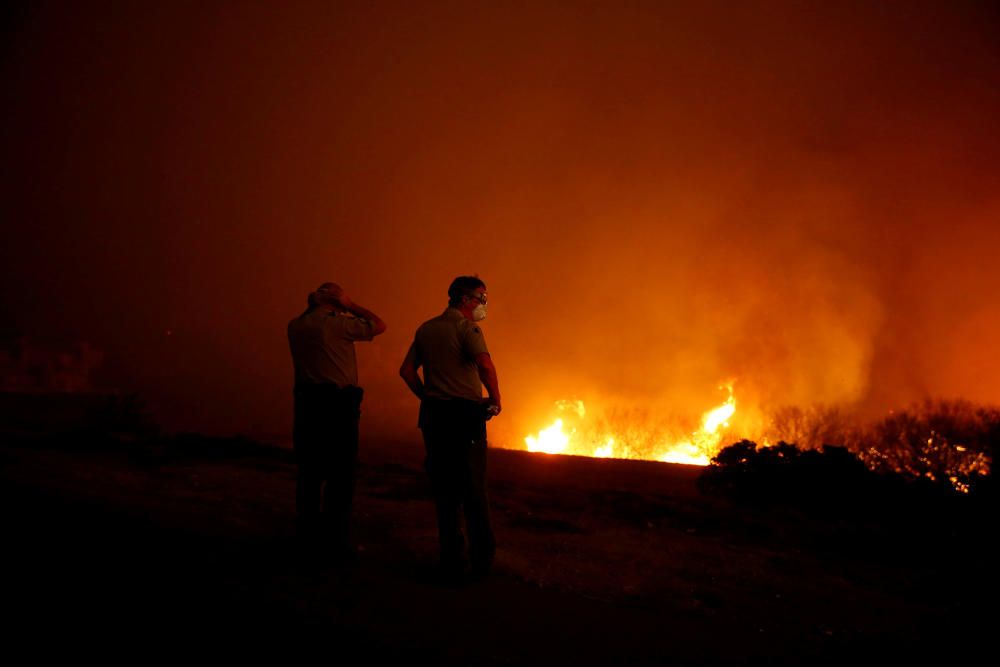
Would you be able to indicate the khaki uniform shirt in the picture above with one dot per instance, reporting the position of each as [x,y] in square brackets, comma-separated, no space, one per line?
[446,347]
[322,345]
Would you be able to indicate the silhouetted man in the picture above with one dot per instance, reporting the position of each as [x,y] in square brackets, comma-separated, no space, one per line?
[327,411]
[451,350]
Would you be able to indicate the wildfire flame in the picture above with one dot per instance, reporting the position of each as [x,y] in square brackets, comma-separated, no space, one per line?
[697,449]
[634,436]
[550,440]
[606,450]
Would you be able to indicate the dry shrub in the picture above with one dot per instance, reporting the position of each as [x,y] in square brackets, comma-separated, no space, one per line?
[934,439]
[944,441]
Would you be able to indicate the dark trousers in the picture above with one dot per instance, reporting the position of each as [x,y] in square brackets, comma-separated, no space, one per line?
[455,439]
[325,438]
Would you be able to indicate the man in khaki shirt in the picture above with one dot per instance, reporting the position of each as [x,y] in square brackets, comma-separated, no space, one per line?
[327,411]
[451,350]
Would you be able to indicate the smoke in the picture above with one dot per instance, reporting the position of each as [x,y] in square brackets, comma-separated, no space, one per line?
[794,196]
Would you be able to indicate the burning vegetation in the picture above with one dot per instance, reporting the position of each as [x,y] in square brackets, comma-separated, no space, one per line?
[939,441]
[948,442]
[618,436]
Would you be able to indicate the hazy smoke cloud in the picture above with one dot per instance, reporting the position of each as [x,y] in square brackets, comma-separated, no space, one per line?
[795,196]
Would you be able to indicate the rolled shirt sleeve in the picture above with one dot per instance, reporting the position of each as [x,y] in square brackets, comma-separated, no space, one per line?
[474,342]
[356,328]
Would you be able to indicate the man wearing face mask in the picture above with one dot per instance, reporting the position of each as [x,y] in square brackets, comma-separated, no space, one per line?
[456,363]
[327,410]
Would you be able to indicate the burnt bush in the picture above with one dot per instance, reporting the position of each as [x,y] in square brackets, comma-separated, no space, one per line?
[947,442]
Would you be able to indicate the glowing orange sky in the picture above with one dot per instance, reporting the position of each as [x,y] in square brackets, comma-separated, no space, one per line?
[800,196]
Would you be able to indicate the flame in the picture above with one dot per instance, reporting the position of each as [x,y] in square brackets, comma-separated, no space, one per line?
[635,436]
[685,452]
[551,440]
[713,419]
[606,450]
[704,443]
[697,449]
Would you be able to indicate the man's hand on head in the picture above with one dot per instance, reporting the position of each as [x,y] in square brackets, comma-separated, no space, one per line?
[335,295]
[344,301]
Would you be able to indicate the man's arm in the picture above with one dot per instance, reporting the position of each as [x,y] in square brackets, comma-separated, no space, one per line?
[408,371]
[340,296]
[488,375]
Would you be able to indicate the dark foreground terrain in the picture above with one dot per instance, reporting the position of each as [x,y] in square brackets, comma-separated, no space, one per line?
[130,550]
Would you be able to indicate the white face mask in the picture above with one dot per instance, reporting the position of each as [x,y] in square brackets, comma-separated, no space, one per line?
[479,313]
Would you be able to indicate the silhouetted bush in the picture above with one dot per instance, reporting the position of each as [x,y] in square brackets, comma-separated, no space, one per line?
[834,481]
[827,478]
[865,511]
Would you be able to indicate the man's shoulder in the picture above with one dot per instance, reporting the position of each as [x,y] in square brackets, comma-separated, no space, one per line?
[437,328]
[313,318]
[435,321]
[338,324]
[470,327]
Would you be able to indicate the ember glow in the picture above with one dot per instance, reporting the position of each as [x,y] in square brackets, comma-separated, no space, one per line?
[572,434]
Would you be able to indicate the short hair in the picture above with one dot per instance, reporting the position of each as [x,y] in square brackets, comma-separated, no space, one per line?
[319,297]
[463,286]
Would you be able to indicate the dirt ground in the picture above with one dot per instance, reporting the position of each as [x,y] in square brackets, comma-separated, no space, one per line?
[126,550]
